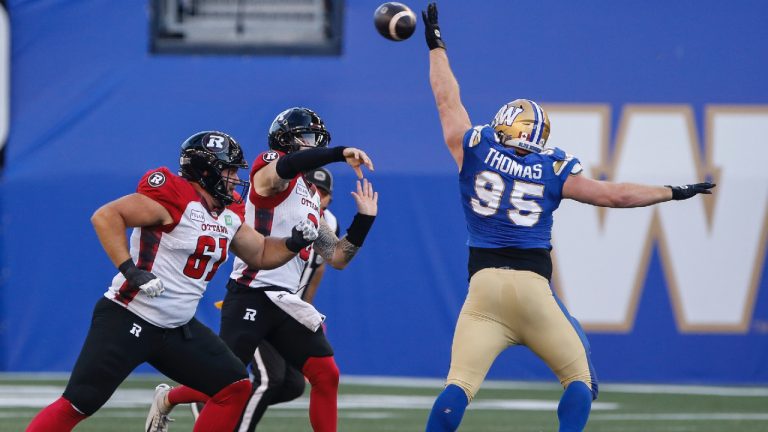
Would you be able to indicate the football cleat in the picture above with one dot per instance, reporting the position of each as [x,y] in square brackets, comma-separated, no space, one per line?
[157,419]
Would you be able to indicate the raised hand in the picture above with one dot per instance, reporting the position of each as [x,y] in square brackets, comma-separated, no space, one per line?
[366,199]
[355,158]
[431,28]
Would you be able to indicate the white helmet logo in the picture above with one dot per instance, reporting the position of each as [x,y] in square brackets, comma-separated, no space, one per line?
[215,143]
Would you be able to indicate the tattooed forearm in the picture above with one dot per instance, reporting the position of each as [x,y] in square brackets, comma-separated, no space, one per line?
[326,241]
[348,250]
[338,253]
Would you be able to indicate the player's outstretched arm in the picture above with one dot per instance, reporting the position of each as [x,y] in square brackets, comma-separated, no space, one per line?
[266,253]
[453,116]
[624,195]
[339,252]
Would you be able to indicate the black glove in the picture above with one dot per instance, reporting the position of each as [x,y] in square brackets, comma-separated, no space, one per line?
[141,279]
[687,191]
[302,235]
[431,28]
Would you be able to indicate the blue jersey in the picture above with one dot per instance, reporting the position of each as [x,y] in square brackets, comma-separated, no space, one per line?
[508,199]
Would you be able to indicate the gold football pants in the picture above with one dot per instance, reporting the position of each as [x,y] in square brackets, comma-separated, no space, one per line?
[512,307]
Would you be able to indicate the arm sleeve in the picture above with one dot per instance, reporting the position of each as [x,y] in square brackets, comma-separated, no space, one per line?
[292,164]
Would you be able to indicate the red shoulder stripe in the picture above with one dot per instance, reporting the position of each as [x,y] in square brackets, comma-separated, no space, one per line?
[171,191]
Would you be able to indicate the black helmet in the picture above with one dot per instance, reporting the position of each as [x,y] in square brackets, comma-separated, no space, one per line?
[297,127]
[321,178]
[205,155]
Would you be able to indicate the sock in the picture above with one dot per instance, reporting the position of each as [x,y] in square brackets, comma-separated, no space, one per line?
[60,416]
[574,407]
[323,376]
[448,410]
[183,394]
[223,410]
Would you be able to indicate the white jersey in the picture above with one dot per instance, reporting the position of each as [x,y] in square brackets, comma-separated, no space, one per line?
[276,216]
[184,254]
[315,260]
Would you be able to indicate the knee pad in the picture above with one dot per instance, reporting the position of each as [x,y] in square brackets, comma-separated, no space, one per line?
[321,372]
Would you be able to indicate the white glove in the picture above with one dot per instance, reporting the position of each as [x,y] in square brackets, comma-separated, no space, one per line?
[308,230]
[153,288]
[142,279]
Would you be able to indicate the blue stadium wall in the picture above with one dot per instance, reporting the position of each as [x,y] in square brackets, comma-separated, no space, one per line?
[92,110]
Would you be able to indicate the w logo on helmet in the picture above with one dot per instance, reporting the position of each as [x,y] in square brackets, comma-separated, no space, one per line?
[522,123]
[506,115]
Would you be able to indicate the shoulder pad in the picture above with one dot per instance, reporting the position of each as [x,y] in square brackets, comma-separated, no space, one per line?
[554,153]
[561,160]
[476,135]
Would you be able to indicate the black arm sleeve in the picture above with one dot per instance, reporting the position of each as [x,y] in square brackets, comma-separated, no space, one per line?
[290,165]
[356,232]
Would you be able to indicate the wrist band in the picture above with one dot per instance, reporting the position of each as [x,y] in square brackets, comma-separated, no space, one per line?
[677,194]
[126,265]
[359,228]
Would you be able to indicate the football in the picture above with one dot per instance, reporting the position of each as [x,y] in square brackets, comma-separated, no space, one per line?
[395,21]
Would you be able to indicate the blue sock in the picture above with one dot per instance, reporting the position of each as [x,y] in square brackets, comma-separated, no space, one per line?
[448,410]
[574,407]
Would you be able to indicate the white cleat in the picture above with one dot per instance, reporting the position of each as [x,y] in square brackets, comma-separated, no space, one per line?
[157,419]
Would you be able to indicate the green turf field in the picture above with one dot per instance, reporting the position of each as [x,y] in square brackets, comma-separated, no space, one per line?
[369,405]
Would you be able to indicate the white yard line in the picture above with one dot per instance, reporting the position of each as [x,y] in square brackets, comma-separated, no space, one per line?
[37,397]
[33,396]
[529,385]
[679,416]
[273,413]
[415,382]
